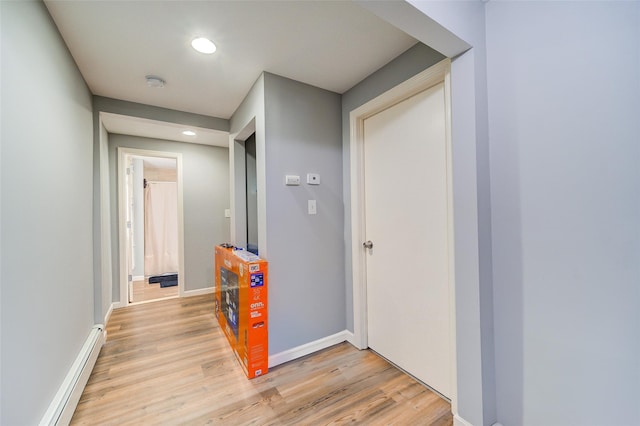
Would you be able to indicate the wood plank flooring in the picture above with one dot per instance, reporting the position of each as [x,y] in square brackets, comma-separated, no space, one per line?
[168,363]
[144,292]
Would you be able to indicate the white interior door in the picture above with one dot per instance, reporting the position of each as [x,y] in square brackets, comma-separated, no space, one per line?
[406,203]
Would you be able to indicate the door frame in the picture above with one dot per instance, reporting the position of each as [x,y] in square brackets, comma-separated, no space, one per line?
[438,73]
[122,217]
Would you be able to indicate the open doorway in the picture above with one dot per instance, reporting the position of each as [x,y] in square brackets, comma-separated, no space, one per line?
[150,225]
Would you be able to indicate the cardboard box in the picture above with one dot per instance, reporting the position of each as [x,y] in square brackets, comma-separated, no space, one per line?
[241,307]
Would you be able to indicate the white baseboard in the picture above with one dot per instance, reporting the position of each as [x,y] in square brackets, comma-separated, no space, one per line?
[108,315]
[138,278]
[309,348]
[459,421]
[66,399]
[116,305]
[351,338]
[198,292]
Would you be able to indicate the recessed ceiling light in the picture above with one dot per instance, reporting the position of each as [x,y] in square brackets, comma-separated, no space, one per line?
[203,45]
[154,81]
[189,133]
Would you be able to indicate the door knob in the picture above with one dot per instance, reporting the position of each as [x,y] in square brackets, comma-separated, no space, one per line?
[368,245]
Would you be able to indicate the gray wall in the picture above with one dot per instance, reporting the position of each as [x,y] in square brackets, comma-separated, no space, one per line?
[298,132]
[305,252]
[247,119]
[564,95]
[205,177]
[46,219]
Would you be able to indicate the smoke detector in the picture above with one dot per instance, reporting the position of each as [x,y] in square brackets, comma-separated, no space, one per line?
[154,81]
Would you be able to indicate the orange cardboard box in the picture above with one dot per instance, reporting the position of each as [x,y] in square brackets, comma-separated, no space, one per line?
[241,307]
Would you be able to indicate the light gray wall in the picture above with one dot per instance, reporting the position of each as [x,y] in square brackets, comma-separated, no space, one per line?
[46,199]
[297,132]
[564,92]
[133,109]
[305,252]
[205,174]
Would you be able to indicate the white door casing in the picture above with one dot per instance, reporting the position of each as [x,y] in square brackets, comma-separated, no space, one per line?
[123,153]
[128,177]
[437,75]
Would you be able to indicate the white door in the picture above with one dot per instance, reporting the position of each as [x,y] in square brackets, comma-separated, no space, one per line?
[406,202]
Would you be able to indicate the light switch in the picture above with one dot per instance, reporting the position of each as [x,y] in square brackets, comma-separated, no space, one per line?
[311,206]
[227,212]
[292,180]
[313,178]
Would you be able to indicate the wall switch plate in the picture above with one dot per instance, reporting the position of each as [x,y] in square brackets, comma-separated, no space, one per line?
[227,212]
[292,180]
[311,206]
[313,178]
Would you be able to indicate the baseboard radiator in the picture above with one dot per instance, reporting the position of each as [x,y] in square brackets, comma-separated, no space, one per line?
[64,403]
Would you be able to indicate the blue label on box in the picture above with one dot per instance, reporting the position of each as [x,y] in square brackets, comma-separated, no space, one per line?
[257,280]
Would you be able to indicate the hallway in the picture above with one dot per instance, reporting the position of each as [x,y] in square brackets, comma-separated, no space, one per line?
[168,363]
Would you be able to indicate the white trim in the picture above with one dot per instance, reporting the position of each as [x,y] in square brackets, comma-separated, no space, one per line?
[122,152]
[309,348]
[459,421]
[438,73]
[351,339]
[108,315]
[66,399]
[138,278]
[198,292]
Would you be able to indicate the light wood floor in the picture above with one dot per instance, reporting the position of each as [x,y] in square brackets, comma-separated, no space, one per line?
[168,363]
[143,291]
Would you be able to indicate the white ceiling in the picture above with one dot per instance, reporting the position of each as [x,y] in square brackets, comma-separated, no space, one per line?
[329,44]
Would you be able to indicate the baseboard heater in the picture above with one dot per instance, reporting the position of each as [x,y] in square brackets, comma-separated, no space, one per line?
[64,403]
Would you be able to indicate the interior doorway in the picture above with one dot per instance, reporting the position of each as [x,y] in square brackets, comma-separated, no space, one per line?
[151,237]
[402,233]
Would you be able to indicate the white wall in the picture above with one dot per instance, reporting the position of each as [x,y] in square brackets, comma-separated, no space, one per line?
[205,177]
[47,194]
[138,217]
[564,98]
